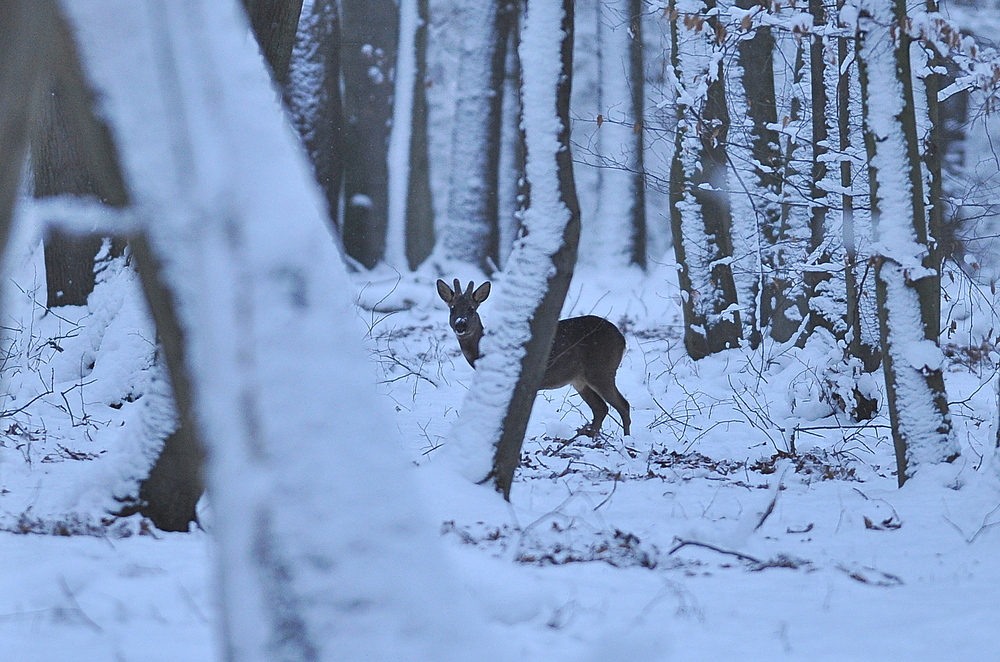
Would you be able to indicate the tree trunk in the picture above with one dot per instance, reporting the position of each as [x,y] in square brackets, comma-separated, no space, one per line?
[308,522]
[699,205]
[519,334]
[419,202]
[369,34]
[87,162]
[906,278]
[170,493]
[637,74]
[856,221]
[314,99]
[274,23]
[69,159]
[469,232]
[542,35]
[25,35]
[931,146]
[783,303]
[619,228]
[818,276]
[760,213]
[511,200]
[410,236]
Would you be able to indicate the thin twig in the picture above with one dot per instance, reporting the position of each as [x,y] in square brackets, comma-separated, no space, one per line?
[681,542]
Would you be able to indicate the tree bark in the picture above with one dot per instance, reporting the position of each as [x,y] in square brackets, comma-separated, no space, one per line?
[369,41]
[906,278]
[25,35]
[637,74]
[469,232]
[170,494]
[88,163]
[410,236]
[618,229]
[546,314]
[818,281]
[314,100]
[71,156]
[511,183]
[699,204]
[931,146]
[274,23]
[764,187]
[419,202]
[856,267]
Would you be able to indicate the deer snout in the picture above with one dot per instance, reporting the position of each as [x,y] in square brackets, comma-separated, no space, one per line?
[461,325]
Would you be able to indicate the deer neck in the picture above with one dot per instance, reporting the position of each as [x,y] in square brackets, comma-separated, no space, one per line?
[469,342]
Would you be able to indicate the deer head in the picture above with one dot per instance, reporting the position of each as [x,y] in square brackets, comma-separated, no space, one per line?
[463,318]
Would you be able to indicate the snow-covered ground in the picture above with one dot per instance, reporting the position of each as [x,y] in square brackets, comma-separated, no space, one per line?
[698,537]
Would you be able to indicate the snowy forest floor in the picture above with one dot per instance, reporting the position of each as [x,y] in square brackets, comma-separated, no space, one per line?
[701,536]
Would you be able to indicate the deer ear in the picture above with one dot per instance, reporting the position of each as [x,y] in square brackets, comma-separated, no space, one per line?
[481,293]
[444,291]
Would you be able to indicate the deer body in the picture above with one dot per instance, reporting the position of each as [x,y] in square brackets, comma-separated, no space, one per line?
[586,352]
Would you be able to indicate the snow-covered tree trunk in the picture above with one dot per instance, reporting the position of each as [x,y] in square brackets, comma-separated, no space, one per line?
[699,204]
[314,99]
[786,245]
[515,350]
[313,507]
[274,23]
[855,219]
[906,278]
[468,232]
[619,227]
[821,296]
[410,237]
[369,36]
[757,183]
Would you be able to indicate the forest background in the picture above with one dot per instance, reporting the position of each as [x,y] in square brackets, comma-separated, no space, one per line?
[787,209]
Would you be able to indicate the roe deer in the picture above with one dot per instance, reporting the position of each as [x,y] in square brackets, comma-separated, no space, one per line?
[586,352]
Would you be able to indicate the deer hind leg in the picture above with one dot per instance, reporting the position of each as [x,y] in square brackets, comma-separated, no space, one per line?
[597,405]
[608,390]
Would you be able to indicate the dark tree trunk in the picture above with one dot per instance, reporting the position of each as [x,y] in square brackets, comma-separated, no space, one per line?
[757,62]
[315,101]
[369,39]
[931,153]
[419,203]
[61,159]
[818,281]
[854,272]
[169,495]
[25,31]
[274,23]
[511,183]
[546,315]
[637,72]
[702,231]
[59,169]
